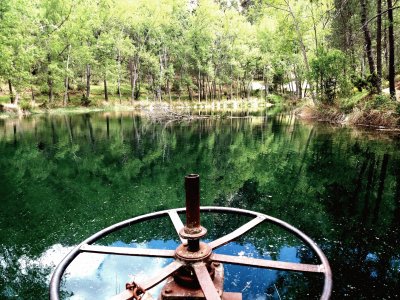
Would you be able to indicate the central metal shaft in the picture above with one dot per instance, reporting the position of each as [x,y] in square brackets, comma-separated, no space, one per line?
[192,188]
[193,231]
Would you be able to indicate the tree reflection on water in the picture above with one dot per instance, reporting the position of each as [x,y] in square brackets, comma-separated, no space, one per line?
[65,177]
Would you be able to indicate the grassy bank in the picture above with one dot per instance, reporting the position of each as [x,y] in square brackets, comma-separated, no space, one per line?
[360,109]
[97,103]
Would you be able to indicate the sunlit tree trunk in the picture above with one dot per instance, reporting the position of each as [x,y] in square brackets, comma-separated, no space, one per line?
[379,44]
[88,75]
[133,69]
[32,94]
[11,91]
[199,85]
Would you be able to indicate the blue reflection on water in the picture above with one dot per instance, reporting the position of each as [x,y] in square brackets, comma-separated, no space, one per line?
[106,275]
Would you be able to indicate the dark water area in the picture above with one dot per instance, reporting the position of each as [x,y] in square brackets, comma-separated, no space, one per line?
[62,178]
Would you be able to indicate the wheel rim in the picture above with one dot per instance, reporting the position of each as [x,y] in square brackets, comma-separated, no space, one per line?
[199,268]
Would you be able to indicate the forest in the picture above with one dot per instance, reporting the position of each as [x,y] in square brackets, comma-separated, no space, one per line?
[335,52]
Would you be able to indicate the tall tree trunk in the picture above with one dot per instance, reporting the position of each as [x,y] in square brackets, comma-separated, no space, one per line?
[16,97]
[169,91]
[265,84]
[131,79]
[367,37]
[237,89]
[205,85]
[32,94]
[392,75]
[209,85]
[133,70]
[88,75]
[199,86]
[159,91]
[105,89]
[299,36]
[314,27]
[11,91]
[50,80]
[379,45]
[190,92]
[119,76]
[50,85]
[67,78]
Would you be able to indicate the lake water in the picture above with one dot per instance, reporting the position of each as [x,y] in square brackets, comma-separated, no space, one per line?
[65,177]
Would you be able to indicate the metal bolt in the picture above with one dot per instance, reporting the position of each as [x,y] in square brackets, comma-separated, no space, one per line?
[168,291]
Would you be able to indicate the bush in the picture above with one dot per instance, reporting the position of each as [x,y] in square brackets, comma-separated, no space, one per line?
[81,87]
[328,70]
[25,105]
[379,102]
[275,98]
[85,101]
[359,82]
[349,103]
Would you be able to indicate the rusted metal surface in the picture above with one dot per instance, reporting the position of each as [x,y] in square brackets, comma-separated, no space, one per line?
[268,264]
[195,264]
[236,233]
[192,231]
[127,251]
[175,290]
[183,253]
[176,220]
[137,290]
[206,283]
[192,188]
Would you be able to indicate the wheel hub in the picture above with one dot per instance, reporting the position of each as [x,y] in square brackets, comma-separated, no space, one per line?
[184,254]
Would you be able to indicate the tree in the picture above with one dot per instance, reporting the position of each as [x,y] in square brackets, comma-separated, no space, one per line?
[392,74]
[18,30]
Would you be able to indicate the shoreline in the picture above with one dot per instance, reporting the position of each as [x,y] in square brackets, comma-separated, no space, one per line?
[379,120]
[15,111]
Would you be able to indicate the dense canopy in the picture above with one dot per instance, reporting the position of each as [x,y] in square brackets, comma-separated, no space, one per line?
[198,49]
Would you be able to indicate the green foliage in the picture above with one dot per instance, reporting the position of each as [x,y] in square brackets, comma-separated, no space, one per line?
[85,101]
[359,82]
[168,46]
[380,102]
[328,72]
[25,105]
[347,104]
[274,98]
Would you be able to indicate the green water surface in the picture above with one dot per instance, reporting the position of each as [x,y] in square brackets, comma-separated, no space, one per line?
[62,178]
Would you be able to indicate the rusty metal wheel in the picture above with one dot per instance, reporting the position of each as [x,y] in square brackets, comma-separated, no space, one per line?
[199,263]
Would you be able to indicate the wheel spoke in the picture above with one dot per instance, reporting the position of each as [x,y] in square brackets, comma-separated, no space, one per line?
[236,233]
[177,223]
[205,281]
[127,251]
[162,274]
[146,285]
[268,264]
